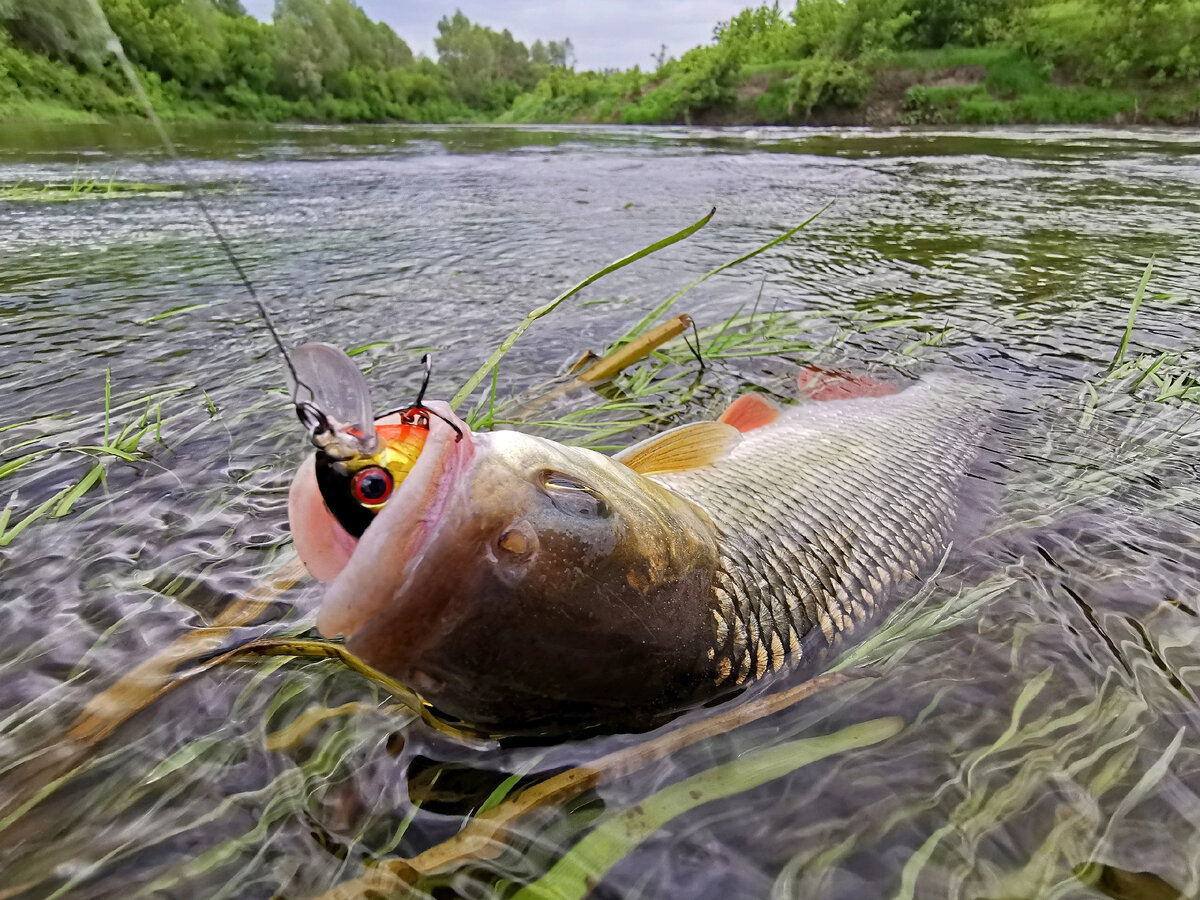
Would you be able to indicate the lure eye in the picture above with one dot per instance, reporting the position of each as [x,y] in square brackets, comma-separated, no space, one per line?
[372,486]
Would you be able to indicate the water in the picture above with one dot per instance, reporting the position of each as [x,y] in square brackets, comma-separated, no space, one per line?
[1046,679]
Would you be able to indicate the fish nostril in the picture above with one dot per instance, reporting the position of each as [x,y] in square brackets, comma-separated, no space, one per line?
[519,540]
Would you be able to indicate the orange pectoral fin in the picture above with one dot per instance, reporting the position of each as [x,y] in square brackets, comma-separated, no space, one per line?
[821,384]
[750,411]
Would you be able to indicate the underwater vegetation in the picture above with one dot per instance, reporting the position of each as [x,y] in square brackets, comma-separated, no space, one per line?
[547,827]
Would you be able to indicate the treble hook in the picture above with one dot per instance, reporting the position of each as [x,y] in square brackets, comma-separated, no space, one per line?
[419,407]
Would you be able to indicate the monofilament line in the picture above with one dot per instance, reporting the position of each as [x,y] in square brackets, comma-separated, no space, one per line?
[113,44]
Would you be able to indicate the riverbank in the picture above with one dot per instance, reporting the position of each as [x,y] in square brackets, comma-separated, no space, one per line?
[826,62]
[949,86]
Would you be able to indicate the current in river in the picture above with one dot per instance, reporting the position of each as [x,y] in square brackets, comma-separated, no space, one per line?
[1026,726]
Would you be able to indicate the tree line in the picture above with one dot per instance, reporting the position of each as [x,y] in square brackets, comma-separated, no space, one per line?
[317,60]
[325,60]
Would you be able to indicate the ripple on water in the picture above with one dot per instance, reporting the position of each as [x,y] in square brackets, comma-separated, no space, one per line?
[1048,680]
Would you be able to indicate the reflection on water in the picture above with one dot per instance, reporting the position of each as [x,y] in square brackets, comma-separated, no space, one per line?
[1047,680]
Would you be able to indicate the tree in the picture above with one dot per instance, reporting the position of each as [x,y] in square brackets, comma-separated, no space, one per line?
[310,46]
[937,23]
[555,53]
[179,40]
[487,68]
[61,29]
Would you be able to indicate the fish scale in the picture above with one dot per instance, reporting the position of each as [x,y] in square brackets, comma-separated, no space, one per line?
[826,515]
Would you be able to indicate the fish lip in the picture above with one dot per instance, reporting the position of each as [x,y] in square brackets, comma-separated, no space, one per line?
[397,539]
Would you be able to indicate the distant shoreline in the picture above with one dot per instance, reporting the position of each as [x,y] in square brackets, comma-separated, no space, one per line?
[920,93]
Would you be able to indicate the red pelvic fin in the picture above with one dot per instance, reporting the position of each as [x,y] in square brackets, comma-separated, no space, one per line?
[817,383]
[750,411]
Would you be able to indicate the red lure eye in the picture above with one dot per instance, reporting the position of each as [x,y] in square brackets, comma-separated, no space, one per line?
[372,486]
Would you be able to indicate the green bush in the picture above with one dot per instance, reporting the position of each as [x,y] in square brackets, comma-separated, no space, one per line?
[774,104]
[980,109]
[1107,41]
[1014,74]
[663,104]
[938,23]
[823,81]
[1180,106]
[934,105]
[706,78]
[563,95]
[1077,105]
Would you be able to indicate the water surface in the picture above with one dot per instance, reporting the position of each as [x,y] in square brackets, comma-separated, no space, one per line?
[1047,677]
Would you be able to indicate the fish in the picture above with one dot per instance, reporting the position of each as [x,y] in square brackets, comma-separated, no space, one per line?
[521,586]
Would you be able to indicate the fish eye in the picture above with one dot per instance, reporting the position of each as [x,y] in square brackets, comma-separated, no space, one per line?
[573,496]
[372,485]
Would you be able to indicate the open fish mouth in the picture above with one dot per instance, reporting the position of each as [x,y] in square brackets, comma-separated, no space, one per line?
[393,544]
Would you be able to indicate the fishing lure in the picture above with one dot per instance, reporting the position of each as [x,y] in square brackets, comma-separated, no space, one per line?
[361,458]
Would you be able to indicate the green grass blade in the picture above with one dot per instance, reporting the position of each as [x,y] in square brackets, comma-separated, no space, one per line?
[72,496]
[485,369]
[499,795]
[1133,311]
[11,535]
[107,401]
[20,462]
[178,310]
[573,876]
[655,314]
[377,345]
[111,451]
[1163,357]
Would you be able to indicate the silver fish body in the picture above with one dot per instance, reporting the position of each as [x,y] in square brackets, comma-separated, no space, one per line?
[824,516]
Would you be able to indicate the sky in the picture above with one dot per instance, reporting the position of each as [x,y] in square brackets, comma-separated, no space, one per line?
[605,33]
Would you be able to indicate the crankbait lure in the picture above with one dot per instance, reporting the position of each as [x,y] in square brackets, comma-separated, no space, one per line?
[361,459]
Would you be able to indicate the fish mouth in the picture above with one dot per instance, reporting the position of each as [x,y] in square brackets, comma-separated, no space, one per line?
[383,559]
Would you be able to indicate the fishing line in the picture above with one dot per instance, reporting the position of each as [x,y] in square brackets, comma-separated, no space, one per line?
[113,44]
[696,349]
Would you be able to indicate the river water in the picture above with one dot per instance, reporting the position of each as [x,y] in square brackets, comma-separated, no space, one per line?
[1036,730]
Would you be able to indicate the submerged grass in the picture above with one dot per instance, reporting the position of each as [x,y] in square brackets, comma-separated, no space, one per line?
[123,444]
[490,366]
[586,863]
[650,393]
[83,189]
[1176,375]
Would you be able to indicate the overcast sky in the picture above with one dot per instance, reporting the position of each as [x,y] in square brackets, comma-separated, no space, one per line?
[606,33]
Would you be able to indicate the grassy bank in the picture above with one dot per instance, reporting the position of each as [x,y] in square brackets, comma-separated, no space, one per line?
[1002,85]
[948,86]
[991,85]
[873,62]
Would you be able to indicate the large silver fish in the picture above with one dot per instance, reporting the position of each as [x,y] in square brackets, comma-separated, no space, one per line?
[523,586]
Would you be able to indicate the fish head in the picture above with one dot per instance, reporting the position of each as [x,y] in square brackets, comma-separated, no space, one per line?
[520,585]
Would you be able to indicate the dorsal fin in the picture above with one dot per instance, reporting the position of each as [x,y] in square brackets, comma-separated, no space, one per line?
[686,447]
[750,411]
[818,383]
